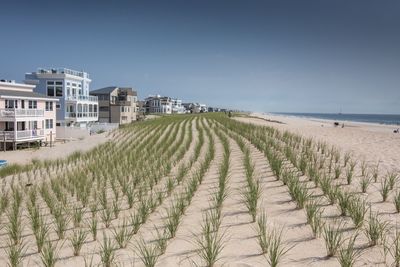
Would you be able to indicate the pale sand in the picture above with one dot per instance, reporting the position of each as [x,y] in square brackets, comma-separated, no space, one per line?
[372,142]
[59,150]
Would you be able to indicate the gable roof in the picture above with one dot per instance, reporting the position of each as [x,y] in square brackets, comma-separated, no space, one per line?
[103,91]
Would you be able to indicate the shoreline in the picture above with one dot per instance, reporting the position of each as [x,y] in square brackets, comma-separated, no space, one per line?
[328,120]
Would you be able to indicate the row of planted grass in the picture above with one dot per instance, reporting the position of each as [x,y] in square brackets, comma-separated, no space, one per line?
[307,158]
[150,251]
[58,194]
[269,238]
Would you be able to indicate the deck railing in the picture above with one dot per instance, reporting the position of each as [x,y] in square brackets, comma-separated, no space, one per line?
[18,112]
[81,115]
[121,103]
[21,135]
[82,98]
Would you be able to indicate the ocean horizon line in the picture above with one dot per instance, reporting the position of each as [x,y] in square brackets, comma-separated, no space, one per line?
[387,119]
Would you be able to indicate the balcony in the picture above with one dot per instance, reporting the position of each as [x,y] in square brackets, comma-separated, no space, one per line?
[81,115]
[25,135]
[82,98]
[17,112]
[64,71]
[121,103]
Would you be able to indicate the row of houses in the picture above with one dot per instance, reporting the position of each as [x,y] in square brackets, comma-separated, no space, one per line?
[156,104]
[49,98]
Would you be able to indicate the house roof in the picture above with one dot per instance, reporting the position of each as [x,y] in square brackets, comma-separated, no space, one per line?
[103,91]
[21,94]
[108,90]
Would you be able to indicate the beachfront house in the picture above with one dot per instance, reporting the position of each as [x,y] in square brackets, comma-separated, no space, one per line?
[75,107]
[213,109]
[25,116]
[177,106]
[163,105]
[195,107]
[158,104]
[116,104]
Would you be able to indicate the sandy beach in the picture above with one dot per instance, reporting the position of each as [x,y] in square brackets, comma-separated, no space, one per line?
[61,149]
[367,141]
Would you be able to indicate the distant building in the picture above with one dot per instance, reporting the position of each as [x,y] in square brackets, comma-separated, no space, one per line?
[75,107]
[187,107]
[141,107]
[116,104]
[158,104]
[25,116]
[177,106]
[195,108]
[163,105]
[213,109]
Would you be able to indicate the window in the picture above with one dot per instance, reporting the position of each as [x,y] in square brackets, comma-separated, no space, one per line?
[9,126]
[11,103]
[50,82]
[59,91]
[95,108]
[49,124]
[104,108]
[22,103]
[32,104]
[58,106]
[33,124]
[59,83]
[50,90]
[49,106]
[124,118]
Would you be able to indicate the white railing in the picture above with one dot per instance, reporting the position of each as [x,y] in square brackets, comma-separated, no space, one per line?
[81,115]
[21,135]
[18,112]
[82,98]
[64,71]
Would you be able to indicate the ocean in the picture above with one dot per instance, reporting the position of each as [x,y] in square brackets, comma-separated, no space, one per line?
[371,118]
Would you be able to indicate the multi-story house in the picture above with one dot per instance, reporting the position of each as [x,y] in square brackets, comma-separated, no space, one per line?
[177,106]
[195,107]
[158,104]
[163,104]
[116,104]
[25,116]
[75,107]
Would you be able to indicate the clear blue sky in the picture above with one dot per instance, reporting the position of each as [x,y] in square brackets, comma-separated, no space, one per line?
[304,56]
